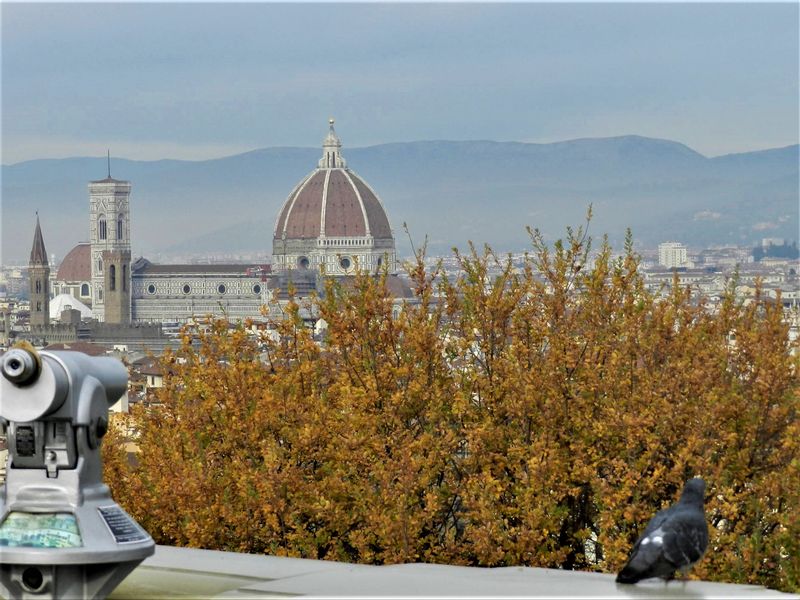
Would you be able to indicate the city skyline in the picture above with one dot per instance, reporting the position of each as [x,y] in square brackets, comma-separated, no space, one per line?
[661,190]
[204,81]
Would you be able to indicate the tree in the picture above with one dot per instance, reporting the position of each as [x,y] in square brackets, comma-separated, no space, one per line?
[520,414]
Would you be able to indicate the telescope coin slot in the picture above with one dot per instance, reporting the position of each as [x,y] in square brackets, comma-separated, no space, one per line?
[124,529]
[26,440]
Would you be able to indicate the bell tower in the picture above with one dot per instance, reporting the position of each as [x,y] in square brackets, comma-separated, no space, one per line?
[109,236]
[39,279]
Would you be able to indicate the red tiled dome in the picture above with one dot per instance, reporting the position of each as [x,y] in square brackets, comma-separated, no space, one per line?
[77,265]
[332,201]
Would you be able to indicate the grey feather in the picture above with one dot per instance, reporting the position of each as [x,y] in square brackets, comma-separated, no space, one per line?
[674,539]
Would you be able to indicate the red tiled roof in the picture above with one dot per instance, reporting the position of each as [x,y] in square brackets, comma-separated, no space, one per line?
[147,366]
[378,222]
[301,216]
[397,287]
[76,265]
[217,269]
[343,214]
[86,347]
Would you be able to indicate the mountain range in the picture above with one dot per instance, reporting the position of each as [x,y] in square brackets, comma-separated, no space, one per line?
[449,192]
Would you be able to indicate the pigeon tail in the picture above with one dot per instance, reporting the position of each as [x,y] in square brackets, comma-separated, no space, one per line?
[644,567]
[628,575]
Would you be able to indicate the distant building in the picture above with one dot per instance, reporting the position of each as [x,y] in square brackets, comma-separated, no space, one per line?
[331,224]
[672,255]
[109,236]
[74,322]
[725,256]
[74,275]
[39,276]
[774,248]
[177,293]
[62,302]
[333,221]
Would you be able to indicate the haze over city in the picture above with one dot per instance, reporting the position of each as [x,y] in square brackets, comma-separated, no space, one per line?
[199,81]
[671,85]
[452,299]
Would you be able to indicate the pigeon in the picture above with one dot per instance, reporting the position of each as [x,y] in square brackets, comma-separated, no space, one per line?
[674,540]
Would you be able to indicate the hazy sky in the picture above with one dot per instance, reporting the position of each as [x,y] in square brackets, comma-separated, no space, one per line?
[205,80]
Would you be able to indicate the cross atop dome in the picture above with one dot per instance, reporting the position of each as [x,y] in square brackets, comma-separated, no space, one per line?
[332,150]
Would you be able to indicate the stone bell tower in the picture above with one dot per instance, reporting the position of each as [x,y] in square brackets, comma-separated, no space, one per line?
[39,279]
[109,236]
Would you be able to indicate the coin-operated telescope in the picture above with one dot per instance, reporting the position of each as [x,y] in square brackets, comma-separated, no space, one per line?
[61,534]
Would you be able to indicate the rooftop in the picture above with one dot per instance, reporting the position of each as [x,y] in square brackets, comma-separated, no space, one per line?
[146,267]
[90,348]
[76,265]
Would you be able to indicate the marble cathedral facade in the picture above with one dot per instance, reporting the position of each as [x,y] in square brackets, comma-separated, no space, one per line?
[331,224]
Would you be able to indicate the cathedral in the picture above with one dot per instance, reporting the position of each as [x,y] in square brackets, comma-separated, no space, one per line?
[331,224]
[332,221]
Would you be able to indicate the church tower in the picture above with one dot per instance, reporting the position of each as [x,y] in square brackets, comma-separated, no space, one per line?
[39,278]
[109,236]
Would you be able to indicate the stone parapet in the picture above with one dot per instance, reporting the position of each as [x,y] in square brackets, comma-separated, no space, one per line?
[178,572]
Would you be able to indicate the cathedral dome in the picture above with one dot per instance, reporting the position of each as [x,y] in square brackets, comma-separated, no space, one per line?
[76,265]
[332,201]
[332,219]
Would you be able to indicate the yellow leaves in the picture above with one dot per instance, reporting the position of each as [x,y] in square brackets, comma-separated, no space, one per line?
[532,415]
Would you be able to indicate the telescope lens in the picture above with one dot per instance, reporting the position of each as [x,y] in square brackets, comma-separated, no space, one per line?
[32,579]
[19,366]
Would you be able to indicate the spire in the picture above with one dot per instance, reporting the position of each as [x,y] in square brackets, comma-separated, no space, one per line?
[109,162]
[332,150]
[38,252]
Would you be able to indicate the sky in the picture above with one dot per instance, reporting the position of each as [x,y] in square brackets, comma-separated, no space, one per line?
[198,81]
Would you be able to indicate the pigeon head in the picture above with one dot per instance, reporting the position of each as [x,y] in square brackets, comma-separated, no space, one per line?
[694,492]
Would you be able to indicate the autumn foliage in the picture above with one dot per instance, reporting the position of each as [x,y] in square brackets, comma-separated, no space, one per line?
[532,416]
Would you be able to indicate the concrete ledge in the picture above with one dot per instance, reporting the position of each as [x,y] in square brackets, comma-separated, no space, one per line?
[184,573]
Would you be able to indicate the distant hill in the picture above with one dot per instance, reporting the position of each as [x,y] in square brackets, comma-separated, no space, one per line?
[451,192]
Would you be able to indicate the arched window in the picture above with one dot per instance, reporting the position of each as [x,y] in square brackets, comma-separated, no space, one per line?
[100,265]
[101,227]
[112,278]
[38,287]
[119,227]
[84,290]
